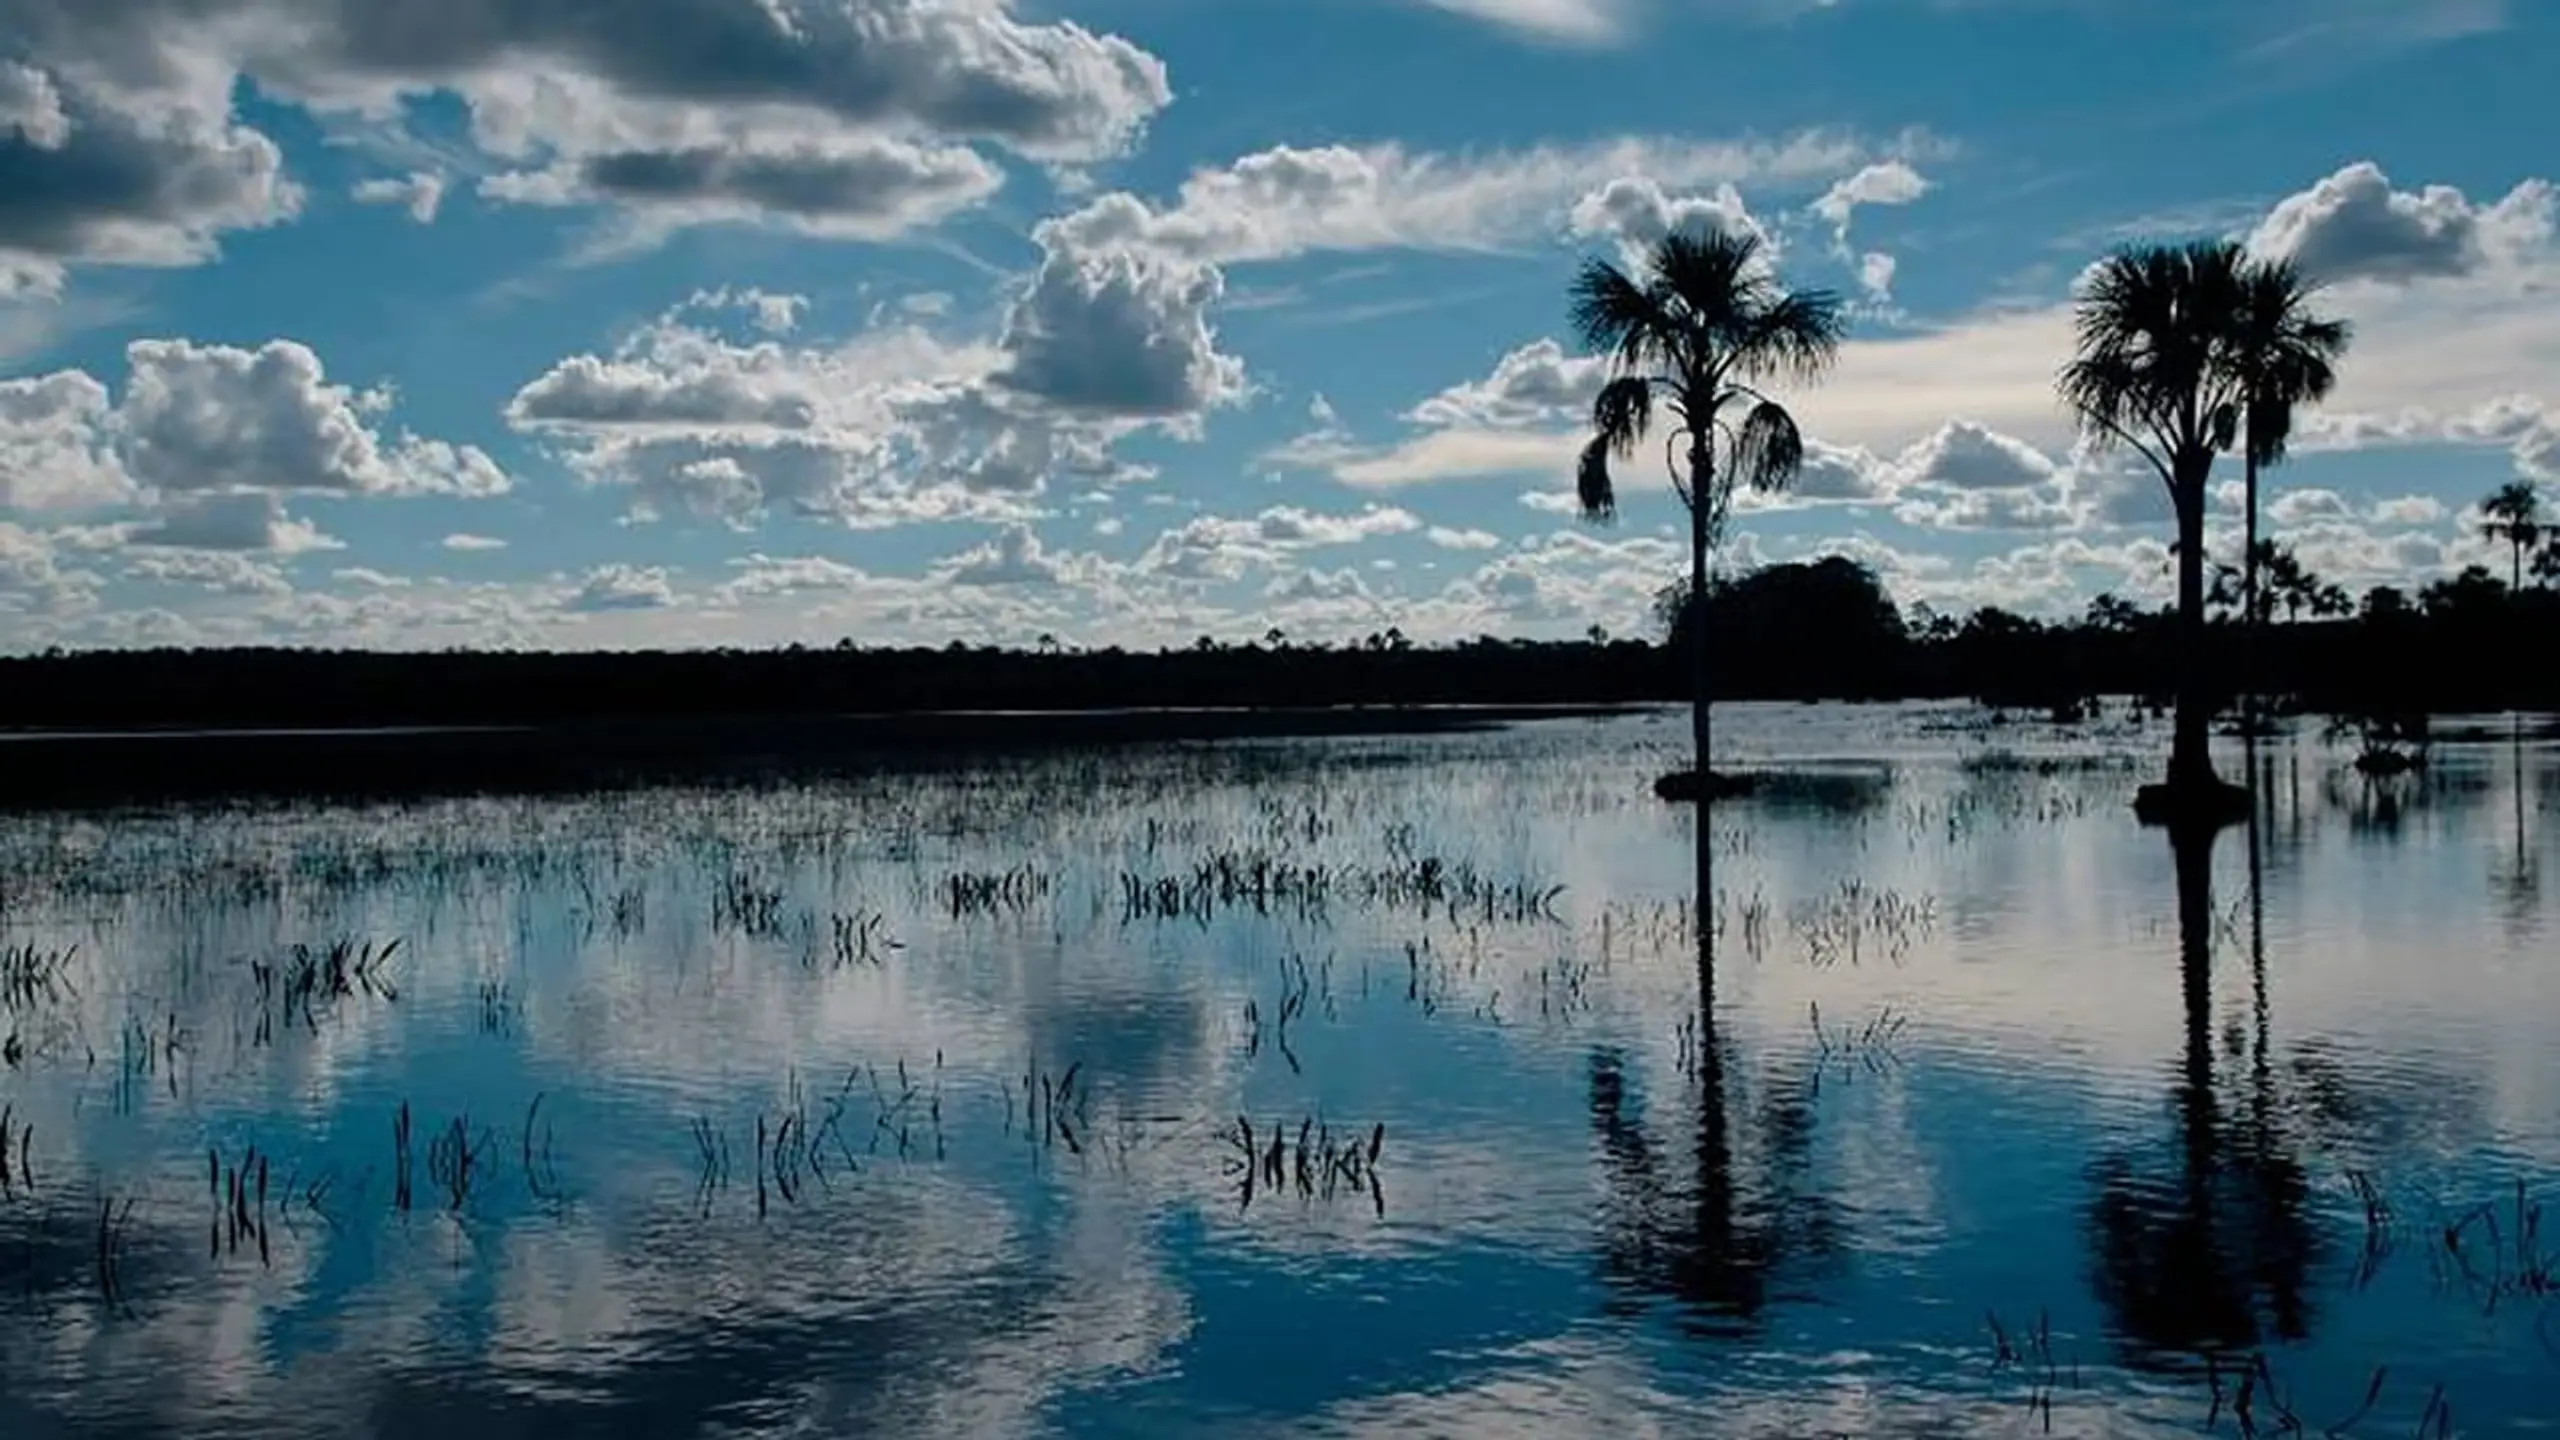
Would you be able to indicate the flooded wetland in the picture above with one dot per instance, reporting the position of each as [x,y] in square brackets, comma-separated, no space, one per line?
[1345,1086]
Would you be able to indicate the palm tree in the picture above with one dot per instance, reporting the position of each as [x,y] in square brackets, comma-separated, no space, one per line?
[1705,320]
[2514,514]
[2283,357]
[2153,371]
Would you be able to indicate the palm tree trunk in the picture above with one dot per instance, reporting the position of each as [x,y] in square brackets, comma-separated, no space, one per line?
[2515,565]
[1701,481]
[2249,591]
[2190,753]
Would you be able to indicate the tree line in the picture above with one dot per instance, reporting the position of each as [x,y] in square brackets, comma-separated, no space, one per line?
[1823,630]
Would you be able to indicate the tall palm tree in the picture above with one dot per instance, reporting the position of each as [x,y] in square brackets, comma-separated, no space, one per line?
[1692,334]
[2153,371]
[2284,357]
[2514,514]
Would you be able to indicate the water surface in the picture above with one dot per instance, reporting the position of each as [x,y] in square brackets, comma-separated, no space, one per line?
[921,1104]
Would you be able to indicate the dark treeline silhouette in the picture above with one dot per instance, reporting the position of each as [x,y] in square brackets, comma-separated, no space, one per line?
[1823,630]
[262,687]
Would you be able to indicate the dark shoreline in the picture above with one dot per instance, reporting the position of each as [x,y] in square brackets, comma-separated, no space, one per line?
[42,770]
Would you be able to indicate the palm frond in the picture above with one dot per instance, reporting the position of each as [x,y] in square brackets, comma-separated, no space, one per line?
[1768,450]
[1592,485]
[2283,355]
[1715,280]
[1797,335]
[1622,412]
[1615,316]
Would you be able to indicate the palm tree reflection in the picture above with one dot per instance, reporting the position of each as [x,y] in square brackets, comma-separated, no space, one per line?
[1719,1237]
[2216,1255]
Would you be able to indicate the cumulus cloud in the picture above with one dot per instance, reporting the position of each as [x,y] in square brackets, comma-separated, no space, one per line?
[1290,201]
[31,578]
[229,520]
[469,543]
[1015,556]
[210,440]
[1118,331]
[855,188]
[55,451]
[88,184]
[1637,212]
[218,569]
[897,423]
[202,418]
[1537,384]
[620,587]
[2353,225]
[118,142]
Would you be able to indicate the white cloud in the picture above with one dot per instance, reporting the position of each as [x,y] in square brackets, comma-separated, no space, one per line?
[1537,384]
[94,183]
[1468,539]
[1015,557]
[229,520]
[1638,213]
[1290,201]
[468,542]
[844,116]
[31,578]
[852,188]
[209,440]
[219,569]
[1572,22]
[1118,332]
[55,450]
[420,192]
[620,587]
[762,575]
[1886,182]
[2353,225]
[198,418]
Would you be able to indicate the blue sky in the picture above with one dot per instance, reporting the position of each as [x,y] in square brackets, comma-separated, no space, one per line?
[403,323]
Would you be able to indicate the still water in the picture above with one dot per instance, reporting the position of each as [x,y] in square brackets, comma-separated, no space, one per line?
[1352,1087]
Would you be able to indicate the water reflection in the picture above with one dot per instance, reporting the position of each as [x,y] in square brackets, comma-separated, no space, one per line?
[2215,1255]
[1626,1180]
[1686,1222]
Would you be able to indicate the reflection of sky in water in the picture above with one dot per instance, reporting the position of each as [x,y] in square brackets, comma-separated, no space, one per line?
[1955,1071]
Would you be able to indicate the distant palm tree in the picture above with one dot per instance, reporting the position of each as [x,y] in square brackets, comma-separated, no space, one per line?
[2514,514]
[2153,371]
[1705,320]
[2283,357]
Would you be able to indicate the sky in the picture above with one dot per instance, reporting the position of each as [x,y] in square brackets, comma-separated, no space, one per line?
[424,323]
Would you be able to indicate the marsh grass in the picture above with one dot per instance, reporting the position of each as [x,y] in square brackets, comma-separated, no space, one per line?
[1316,1164]
[309,982]
[975,892]
[239,1192]
[1853,921]
[17,1153]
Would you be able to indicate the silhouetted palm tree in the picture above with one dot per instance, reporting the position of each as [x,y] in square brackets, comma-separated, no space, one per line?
[1705,320]
[2514,514]
[2284,357]
[2153,371]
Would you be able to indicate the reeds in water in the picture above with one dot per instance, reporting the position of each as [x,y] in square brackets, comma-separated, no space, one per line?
[1315,1162]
